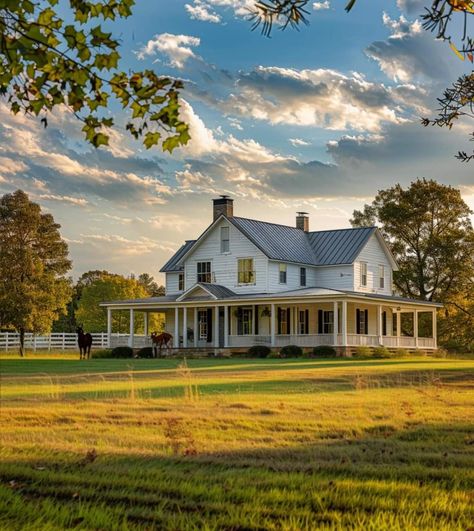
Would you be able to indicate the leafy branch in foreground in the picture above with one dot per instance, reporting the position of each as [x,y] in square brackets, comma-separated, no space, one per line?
[48,61]
[456,102]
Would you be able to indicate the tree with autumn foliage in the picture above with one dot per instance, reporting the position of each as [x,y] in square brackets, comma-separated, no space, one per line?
[33,262]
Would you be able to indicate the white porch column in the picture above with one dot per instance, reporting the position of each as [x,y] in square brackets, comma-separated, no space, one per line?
[145,323]
[272,325]
[132,328]
[336,322]
[435,329]
[344,323]
[195,326]
[254,307]
[216,327]
[399,326]
[109,327]
[185,327]
[226,326]
[176,328]
[415,327]
[379,324]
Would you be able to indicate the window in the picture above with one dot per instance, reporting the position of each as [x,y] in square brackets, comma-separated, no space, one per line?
[302,276]
[181,282]
[245,271]
[363,273]
[381,276]
[225,247]
[303,322]
[204,272]
[362,321]
[244,321]
[284,316]
[282,277]
[328,322]
[202,324]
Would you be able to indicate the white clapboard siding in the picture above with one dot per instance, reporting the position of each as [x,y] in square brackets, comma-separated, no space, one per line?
[172,283]
[374,255]
[335,277]
[292,277]
[224,266]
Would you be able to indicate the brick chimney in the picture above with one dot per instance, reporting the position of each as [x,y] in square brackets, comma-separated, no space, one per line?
[223,205]
[302,221]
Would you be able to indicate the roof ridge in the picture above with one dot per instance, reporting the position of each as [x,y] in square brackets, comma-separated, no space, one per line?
[268,223]
[347,228]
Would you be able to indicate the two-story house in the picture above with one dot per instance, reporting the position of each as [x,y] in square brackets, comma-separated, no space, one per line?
[246,282]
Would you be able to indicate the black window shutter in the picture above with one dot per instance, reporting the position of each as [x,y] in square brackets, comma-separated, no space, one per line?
[320,321]
[366,322]
[358,321]
[256,320]
[288,320]
[306,324]
[279,320]
[209,325]
[384,323]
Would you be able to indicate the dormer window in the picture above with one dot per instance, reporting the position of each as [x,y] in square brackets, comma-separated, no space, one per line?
[225,244]
[282,277]
[363,274]
[181,282]
[204,272]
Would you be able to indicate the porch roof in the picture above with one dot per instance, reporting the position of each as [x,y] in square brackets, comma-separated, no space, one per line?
[221,293]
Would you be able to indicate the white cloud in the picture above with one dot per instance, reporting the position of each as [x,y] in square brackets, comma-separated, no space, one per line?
[299,142]
[10,166]
[78,201]
[178,48]
[235,123]
[201,11]
[319,6]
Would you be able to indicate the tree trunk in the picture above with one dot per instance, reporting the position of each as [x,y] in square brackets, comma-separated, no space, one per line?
[22,342]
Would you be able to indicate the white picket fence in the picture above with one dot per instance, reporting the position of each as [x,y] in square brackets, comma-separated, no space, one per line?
[65,341]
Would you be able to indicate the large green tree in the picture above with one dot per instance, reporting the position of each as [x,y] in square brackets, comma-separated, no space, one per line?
[61,56]
[33,262]
[429,230]
[109,287]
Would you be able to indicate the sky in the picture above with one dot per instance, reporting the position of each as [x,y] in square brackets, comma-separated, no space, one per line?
[315,120]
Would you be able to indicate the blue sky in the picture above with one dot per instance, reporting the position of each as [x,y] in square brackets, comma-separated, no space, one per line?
[315,120]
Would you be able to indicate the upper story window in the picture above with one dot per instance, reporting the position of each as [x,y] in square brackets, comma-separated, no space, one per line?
[204,272]
[282,276]
[245,271]
[181,282]
[381,276]
[363,273]
[225,245]
[302,276]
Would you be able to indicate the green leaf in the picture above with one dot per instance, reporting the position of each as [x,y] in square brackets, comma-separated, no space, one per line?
[151,139]
[100,139]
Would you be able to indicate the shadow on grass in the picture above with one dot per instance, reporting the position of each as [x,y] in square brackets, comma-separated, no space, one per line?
[381,477]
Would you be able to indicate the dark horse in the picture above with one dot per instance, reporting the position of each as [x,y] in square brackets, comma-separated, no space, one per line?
[85,343]
[161,340]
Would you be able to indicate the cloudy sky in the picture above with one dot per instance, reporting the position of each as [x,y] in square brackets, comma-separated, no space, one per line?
[316,120]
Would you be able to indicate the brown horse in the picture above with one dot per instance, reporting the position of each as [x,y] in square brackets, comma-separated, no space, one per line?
[85,343]
[161,340]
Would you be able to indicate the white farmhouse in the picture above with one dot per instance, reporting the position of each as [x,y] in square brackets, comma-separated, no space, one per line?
[245,282]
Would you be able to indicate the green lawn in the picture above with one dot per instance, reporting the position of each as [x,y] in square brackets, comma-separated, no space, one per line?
[236,444]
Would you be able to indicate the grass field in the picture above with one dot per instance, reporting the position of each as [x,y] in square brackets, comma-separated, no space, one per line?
[237,444]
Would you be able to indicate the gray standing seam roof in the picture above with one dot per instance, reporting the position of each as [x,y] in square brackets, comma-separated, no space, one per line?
[221,292]
[289,244]
[172,263]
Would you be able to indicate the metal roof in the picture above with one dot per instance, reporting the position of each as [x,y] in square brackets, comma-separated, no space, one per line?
[342,246]
[220,292]
[278,242]
[172,263]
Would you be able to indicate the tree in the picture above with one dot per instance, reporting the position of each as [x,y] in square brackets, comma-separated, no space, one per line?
[430,233]
[439,17]
[150,285]
[52,57]
[33,262]
[112,287]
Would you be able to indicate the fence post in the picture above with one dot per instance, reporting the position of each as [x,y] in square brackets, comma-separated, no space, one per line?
[6,342]
[34,342]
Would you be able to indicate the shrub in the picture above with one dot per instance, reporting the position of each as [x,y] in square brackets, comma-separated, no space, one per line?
[363,352]
[259,351]
[274,356]
[101,354]
[145,352]
[324,351]
[381,352]
[402,353]
[122,352]
[291,351]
